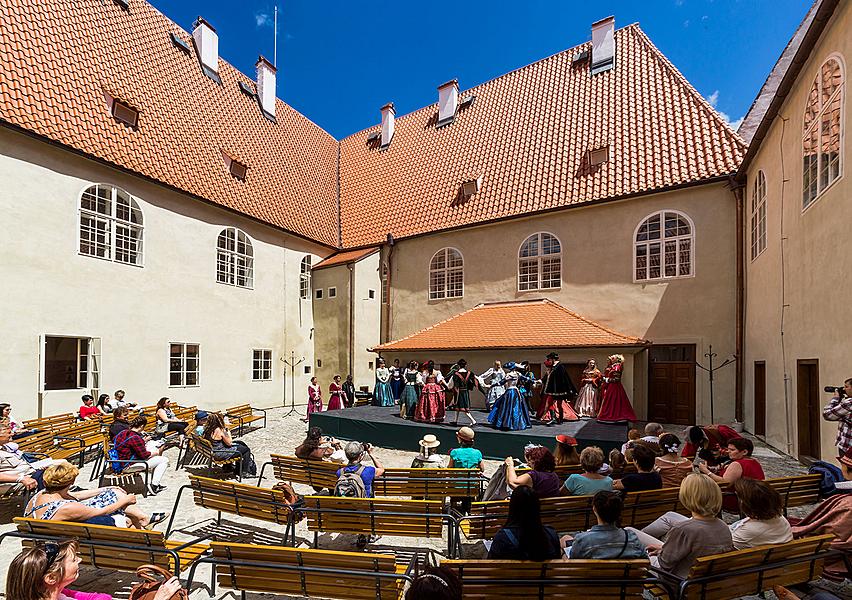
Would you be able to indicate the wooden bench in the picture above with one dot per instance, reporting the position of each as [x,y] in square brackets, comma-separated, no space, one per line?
[48,444]
[376,516]
[103,469]
[565,470]
[564,579]
[118,548]
[318,474]
[52,422]
[244,415]
[751,571]
[797,490]
[200,452]
[435,484]
[305,572]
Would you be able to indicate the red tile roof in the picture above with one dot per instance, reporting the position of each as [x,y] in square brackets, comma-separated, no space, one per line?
[527,134]
[522,324]
[58,58]
[345,257]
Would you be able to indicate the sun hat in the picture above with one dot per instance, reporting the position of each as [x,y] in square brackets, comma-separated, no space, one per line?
[466,433]
[566,439]
[429,441]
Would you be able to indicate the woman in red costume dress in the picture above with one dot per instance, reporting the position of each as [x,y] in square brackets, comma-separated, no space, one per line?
[615,405]
[430,407]
[335,394]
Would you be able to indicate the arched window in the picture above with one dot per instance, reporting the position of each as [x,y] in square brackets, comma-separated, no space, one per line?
[758,215]
[110,225]
[305,279]
[663,246]
[540,263]
[821,161]
[446,274]
[234,258]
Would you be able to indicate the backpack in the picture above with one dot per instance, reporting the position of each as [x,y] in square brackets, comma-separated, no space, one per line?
[830,475]
[117,467]
[350,484]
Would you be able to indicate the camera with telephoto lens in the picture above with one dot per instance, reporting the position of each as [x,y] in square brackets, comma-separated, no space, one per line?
[831,389]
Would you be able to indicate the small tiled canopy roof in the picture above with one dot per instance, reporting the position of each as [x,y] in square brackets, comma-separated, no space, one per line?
[341,258]
[524,324]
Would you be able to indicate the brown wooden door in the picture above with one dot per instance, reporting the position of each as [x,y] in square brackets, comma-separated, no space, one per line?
[671,384]
[808,409]
[760,398]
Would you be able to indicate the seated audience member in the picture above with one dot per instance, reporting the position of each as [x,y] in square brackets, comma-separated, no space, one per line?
[688,538]
[671,466]
[103,405]
[846,465]
[742,465]
[356,452]
[646,478]
[16,474]
[44,570]
[566,451]
[225,447]
[524,537]
[589,481]
[713,439]
[427,458]
[834,516]
[88,410]
[435,583]
[465,456]
[18,429]
[616,466]
[118,400]
[632,436]
[607,540]
[166,419]
[102,506]
[764,521]
[318,447]
[651,439]
[119,421]
[541,477]
[130,445]
[201,417]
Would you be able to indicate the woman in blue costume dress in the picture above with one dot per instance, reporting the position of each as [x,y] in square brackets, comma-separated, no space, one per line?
[382,395]
[411,391]
[510,410]
[396,381]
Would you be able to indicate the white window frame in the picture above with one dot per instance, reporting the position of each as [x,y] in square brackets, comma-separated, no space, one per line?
[757,221]
[384,279]
[183,370]
[92,367]
[305,278]
[264,360]
[113,223]
[231,259]
[816,125]
[539,259]
[332,292]
[662,240]
[436,293]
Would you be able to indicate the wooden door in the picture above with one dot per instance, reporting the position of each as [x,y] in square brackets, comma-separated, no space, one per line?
[671,384]
[760,398]
[808,409]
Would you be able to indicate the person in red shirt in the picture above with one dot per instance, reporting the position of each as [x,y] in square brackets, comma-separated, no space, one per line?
[89,410]
[712,438]
[130,445]
[741,465]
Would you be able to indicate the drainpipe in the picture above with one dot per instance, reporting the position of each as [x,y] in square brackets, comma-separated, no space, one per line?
[737,189]
[351,267]
[387,323]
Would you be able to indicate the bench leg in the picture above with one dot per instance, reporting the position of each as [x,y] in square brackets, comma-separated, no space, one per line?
[212,580]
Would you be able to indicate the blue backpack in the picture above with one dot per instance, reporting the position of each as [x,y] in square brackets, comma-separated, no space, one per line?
[830,475]
[117,467]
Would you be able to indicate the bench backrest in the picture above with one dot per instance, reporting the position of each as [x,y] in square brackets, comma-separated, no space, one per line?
[41,441]
[723,584]
[429,483]
[551,579]
[295,580]
[380,516]
[797,490]
[236,498]
[130,547]
[51,422]
[242,410]
[566,470]
[315,473]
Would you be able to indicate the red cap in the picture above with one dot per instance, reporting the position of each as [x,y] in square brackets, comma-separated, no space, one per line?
[566,439]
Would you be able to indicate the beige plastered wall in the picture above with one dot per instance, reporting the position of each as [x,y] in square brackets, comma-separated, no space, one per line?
[597,280]
[817,261]
[48,288]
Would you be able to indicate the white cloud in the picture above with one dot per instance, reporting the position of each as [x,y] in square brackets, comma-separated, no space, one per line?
[262,19]
[713,100]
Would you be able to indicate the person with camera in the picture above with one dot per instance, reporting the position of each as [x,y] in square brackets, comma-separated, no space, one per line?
[839,409]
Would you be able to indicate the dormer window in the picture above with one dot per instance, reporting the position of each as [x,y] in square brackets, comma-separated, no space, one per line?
[235,168]
[598,156]
[471,187]
[125,113]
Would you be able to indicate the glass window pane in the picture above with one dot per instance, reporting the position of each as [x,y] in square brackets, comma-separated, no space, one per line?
[175,378]
[191,378]
[192,350]
[685,258]
[671,259]
[654,261]
[176,349]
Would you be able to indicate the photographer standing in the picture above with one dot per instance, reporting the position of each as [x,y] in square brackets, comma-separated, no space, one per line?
[839,409]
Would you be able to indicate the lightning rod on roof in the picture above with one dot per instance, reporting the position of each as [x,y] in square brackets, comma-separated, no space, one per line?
[275,39]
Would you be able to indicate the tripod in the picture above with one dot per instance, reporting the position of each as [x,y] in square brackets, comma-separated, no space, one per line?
[292,363]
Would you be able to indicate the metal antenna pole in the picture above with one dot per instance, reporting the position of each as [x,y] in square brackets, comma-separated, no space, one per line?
[711,370]
[275,39]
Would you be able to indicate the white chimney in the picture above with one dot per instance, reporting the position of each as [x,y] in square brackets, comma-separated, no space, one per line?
[448,102]
[603,45]
[207,44]
[388,113]
[266,85]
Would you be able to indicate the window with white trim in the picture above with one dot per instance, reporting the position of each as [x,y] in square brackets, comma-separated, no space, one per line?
[305,278]
[261,365]
[71,363]
[385,281]
[184,362]
[540,263]
[446,274]
[234,258]
[663,247]
[111,225]
[758,215]
[821,132]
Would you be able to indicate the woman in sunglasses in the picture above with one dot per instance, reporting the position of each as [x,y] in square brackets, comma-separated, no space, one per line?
[43,572]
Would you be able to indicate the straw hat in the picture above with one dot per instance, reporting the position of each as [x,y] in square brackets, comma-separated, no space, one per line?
[429,441]
[566,439]
[466,433]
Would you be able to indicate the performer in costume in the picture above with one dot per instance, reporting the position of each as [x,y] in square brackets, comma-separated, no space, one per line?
[349,392]
[557,392]
[615,405]
[430,408]
[335,395]
[510,411]
[526,382]
[410,391]
[382,395]
[587,400]
[463,381]
[314,398]
[495,376]
[396,380]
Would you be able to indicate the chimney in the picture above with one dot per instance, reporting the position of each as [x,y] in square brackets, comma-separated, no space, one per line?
[388,113]
[207,45]
[448,102]
[603,45]
[266,85]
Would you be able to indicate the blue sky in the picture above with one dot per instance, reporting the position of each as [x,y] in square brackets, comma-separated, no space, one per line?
[339,61]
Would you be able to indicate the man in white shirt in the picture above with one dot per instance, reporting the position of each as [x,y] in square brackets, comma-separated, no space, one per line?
[118,400]
[16,474]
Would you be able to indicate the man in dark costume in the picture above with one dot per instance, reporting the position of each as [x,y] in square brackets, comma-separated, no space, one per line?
[558,391]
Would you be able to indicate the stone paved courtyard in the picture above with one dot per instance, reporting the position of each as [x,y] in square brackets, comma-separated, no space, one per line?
[280,436]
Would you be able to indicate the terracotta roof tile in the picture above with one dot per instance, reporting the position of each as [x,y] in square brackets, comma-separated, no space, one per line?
[348,256]
[522,324]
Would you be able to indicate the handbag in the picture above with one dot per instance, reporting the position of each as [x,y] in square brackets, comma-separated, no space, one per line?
[153,577]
